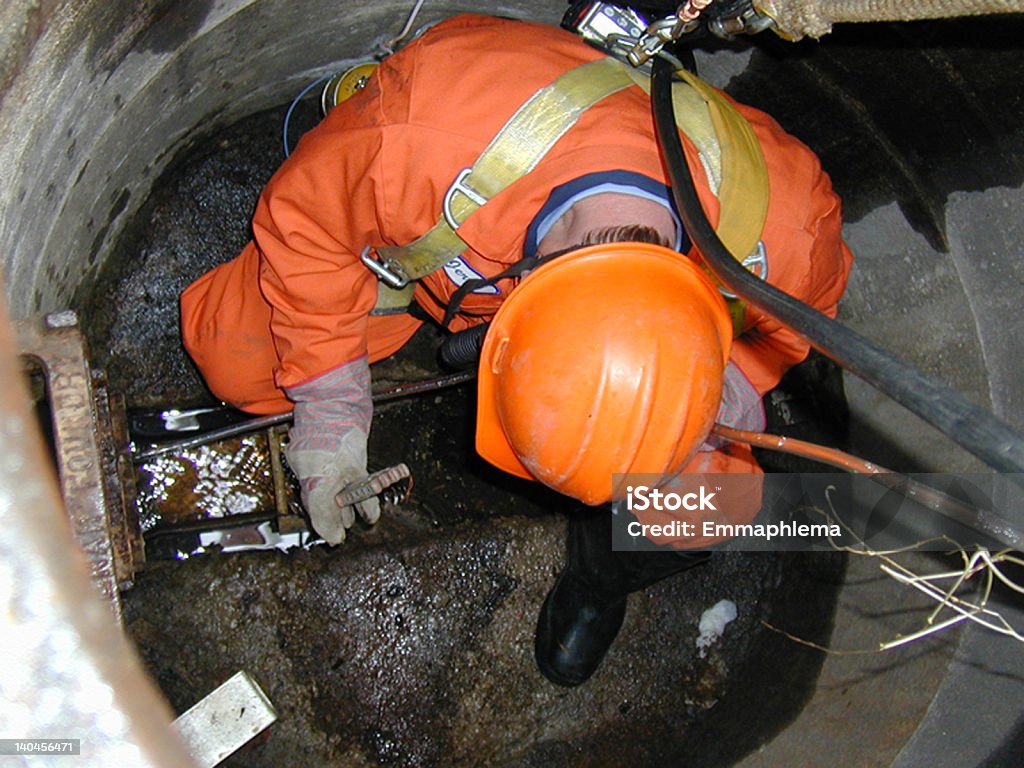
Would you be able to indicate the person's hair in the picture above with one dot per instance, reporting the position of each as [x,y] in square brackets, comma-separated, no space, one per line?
[632,233]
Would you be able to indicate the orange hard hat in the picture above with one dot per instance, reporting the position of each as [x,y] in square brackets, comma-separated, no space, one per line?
[607,360]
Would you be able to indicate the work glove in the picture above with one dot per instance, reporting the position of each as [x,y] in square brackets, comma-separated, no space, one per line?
[741,407]
[327,446]
[323,474]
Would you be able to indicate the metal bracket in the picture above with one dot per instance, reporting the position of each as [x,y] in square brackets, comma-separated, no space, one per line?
[90,451]
[459,186]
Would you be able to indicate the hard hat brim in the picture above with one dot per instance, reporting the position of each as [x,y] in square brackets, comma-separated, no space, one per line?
[543,416]
[491,441]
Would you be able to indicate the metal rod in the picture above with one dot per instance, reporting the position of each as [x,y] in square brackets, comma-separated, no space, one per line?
[277,472]
[266,422]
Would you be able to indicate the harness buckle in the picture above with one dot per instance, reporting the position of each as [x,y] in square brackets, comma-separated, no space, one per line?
[756,264]
[390,271]
[459,185]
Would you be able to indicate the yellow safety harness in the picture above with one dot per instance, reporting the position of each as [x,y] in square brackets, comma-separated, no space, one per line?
[729,152]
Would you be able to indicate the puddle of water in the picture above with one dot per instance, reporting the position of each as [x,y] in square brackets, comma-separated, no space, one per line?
[220,497]
[225,479]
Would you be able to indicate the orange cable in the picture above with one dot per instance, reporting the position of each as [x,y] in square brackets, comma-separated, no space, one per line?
[803,448]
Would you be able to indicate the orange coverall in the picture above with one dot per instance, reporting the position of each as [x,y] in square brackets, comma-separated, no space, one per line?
[296,303]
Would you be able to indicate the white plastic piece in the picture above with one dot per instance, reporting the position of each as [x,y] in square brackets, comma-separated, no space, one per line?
[712,624]
[225,721]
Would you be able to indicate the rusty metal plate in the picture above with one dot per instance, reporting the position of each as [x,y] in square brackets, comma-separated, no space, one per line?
[89,452]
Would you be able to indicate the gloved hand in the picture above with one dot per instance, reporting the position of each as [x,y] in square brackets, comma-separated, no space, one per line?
[327,445]
[741,407]
[323,474]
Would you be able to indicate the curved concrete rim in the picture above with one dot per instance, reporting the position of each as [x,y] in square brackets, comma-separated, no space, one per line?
[99,95]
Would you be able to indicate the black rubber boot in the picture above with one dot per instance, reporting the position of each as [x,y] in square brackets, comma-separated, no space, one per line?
[575,630]
[583,612]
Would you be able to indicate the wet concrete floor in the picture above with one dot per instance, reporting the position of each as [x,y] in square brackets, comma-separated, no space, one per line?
[412,643]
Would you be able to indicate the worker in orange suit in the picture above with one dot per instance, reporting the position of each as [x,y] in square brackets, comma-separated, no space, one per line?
[295,320]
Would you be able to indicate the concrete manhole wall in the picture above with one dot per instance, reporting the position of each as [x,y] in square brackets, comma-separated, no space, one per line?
[99,97]
[918,125]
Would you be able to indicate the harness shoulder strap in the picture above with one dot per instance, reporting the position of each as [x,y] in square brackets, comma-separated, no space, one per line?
[730,154]
[515,151]
[728,149]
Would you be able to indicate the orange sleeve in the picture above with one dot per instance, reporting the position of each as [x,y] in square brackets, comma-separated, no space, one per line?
[768,349]
[310,225]
[324,205]
[807,257]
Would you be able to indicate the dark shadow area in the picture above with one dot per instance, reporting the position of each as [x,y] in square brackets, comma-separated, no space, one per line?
[889,139]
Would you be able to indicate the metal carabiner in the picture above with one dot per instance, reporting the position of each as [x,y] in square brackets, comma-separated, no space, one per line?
[384,271]
[666,30]
[658,33]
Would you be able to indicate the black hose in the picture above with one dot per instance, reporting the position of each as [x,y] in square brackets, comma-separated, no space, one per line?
[973,428]
[462,350]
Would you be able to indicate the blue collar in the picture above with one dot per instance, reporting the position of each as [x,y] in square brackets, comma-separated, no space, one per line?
[563,197]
